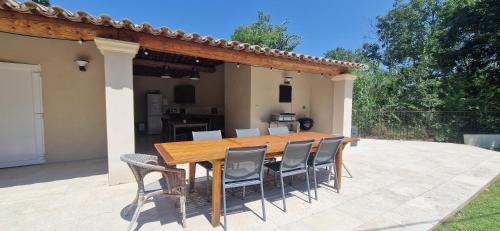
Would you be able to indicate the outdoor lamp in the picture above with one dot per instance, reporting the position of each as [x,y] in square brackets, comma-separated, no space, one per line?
[82,64]
[195,74]
[166,73]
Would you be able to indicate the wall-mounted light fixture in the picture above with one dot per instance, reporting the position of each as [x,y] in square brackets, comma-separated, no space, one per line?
[82,64]
[287,80]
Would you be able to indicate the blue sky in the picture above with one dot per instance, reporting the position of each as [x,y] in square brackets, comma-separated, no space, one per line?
[322,24]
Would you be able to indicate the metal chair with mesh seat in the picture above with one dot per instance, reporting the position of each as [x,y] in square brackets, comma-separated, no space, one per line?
[207,135]
[325,156]
[278,131]
[243,167]
[247,132]
[172,183]
[293,162]
[252,132]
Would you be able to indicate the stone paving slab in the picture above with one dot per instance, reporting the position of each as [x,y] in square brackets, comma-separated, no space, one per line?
[396,185]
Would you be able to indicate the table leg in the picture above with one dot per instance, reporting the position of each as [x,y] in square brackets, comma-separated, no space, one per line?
[175,135]
[216,192]
[338,163]
[192,176]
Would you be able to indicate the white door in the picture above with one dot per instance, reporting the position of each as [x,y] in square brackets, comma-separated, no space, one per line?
[21,115]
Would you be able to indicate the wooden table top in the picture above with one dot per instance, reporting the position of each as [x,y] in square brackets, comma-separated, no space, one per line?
[206,150]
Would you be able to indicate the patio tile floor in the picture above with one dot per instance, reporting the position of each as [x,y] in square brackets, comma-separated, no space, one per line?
[397,185]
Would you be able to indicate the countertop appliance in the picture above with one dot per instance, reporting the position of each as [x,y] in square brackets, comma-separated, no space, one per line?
[283,117]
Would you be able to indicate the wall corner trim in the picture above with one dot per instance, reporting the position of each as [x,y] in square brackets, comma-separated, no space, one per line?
[344,77]
[110,45]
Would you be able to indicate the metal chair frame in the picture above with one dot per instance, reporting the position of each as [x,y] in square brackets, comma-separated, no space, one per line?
[329,157]
[207,135]
[247,179]
[278,130]
[250,132]
[299,168]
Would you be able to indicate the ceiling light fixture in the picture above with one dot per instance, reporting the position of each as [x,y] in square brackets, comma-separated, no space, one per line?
[166,73]
[237,65]
[195,74]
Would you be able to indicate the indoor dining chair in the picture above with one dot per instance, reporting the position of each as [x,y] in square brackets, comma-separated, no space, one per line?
[243,167]
[207,135]
[278,131]
[293,162]
[325,156]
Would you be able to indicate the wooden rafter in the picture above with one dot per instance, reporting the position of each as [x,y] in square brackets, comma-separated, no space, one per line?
[180,66]
[40,26]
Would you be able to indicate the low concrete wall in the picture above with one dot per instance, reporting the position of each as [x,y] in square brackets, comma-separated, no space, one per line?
[488,141]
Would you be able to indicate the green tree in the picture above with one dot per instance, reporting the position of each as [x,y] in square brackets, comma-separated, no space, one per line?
[408,35]
[434,55]
[469,54]
[42,2]
[265,34]
[374,89]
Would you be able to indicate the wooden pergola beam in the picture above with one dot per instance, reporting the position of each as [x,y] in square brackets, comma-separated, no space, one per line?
[41,26]
[154,63]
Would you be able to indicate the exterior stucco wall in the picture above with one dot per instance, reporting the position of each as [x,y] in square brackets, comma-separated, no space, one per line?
[265,95]
[322,104]
[73,101]
[237,97]
[252,95]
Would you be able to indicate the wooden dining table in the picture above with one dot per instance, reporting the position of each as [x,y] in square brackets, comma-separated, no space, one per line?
[215,150]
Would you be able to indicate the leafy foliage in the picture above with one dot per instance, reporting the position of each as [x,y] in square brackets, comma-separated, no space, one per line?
[431,55]
[441,55]
[42,2]
[469,54]
[265,34]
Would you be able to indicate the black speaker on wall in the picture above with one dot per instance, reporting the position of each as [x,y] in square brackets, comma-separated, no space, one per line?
[285,94]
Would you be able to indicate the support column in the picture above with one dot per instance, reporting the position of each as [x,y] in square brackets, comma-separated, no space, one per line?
[118,74]
[342,104]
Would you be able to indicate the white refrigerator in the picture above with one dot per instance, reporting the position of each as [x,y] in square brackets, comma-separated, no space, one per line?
[154,113]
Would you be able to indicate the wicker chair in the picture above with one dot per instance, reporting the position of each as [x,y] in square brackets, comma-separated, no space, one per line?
[172,183]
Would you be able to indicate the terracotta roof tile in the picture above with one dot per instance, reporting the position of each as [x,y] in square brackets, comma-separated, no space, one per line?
[84,17]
